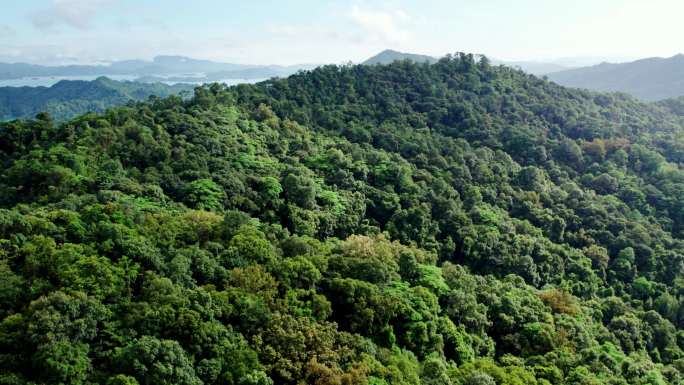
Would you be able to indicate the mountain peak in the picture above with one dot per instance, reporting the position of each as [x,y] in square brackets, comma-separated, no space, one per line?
[389,55]
[391,52]
[171,59]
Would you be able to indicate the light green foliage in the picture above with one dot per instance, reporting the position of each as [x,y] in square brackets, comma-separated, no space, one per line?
[205,194]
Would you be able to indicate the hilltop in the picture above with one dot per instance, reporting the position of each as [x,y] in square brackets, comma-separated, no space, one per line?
[534,67]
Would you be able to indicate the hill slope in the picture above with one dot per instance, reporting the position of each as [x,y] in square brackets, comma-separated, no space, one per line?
[648,79]
[69,98]
[456,223]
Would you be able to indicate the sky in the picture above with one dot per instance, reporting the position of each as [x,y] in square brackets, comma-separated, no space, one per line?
[319,31]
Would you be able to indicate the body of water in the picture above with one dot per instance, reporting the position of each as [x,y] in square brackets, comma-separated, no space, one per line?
[47,81]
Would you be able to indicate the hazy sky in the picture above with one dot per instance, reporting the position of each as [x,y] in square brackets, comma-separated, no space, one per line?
[318,31]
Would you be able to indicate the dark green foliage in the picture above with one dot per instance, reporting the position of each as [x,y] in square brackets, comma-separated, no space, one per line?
[453,223]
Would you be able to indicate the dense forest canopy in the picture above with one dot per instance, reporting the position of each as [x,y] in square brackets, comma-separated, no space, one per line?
[455,223]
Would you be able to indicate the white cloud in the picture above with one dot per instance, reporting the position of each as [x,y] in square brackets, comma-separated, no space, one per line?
[383,26]
[77,14]
[344,32]
[361,32]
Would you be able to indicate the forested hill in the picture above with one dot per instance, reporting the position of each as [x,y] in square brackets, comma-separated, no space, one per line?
[69,98]
[533,67]
[455,223]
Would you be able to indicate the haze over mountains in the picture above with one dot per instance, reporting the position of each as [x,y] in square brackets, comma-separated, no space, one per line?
[648,79]
[72,90]
[176,68]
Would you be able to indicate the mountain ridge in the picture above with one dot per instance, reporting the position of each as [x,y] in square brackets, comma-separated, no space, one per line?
[68,98]
[650,79]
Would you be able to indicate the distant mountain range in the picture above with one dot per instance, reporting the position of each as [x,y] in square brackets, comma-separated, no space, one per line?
[533,67]
[69,98]
[648,79]
[159,68]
